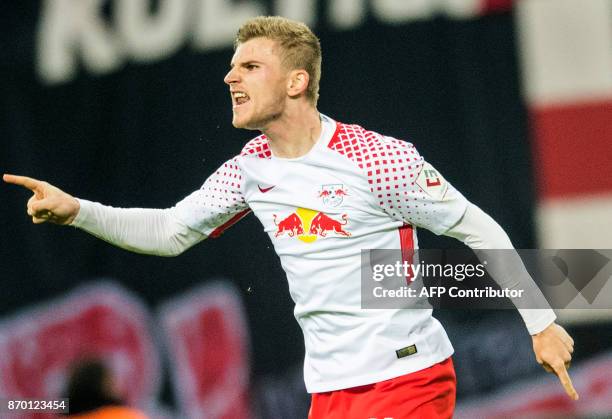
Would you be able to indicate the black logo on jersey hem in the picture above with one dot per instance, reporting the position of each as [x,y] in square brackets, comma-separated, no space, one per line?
[407,351]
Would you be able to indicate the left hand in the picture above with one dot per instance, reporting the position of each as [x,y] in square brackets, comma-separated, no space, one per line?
[553,348]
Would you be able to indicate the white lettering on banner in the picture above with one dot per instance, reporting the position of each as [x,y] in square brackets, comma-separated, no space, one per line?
[218,21]
[399,11]
[69,28]
[152,37]
[300,10]
[346,14]
[71,31]
[462,8]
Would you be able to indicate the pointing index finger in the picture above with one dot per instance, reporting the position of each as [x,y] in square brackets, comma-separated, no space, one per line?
[566,382]
[27,182]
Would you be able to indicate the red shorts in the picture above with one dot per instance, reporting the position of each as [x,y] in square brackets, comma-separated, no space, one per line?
[428,393]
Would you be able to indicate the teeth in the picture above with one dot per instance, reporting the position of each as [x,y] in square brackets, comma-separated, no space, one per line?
[239,94]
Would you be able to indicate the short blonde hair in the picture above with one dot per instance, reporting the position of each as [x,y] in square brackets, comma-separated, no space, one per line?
[300,47]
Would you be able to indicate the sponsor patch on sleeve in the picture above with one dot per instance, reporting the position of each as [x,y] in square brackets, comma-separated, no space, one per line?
[432,182]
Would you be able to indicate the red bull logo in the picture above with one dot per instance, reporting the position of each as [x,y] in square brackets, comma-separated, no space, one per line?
[322,224]
[292,225]
[308,225]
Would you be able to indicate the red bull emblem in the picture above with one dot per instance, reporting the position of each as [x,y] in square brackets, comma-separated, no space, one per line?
[322,224]
[291,224]
[308,225]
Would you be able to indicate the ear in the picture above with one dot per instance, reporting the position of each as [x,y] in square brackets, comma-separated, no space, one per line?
[297,82]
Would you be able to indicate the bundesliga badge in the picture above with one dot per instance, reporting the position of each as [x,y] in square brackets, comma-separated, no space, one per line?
[432,182]
[332,194]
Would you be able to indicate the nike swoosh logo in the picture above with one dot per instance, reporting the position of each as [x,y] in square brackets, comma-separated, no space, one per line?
[264,190]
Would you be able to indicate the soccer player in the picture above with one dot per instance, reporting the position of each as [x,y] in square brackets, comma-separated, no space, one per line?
[323,190]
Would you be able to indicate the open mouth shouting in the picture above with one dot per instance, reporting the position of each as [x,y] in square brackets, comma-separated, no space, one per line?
[239,99]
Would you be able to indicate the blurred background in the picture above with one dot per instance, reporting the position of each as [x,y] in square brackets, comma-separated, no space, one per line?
[122,102]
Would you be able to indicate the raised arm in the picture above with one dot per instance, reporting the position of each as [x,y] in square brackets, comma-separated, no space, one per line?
[141,230]
[207,212]
[150,231]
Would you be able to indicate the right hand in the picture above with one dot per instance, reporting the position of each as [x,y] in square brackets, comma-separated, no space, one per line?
[48,202]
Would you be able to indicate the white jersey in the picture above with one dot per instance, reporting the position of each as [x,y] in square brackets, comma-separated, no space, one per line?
[354,190]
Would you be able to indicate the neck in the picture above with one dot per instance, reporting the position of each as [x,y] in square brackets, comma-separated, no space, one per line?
[295,132]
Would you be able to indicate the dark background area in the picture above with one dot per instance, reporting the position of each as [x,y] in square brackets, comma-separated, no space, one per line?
[147,135]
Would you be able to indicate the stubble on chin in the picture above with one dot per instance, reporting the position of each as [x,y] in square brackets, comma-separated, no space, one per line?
[257,124]
[260,122]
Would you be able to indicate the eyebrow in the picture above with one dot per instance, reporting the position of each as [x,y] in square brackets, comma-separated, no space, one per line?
[246,63]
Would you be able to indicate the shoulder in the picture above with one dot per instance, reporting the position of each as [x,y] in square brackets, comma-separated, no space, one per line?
[257,147]
[370,149]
